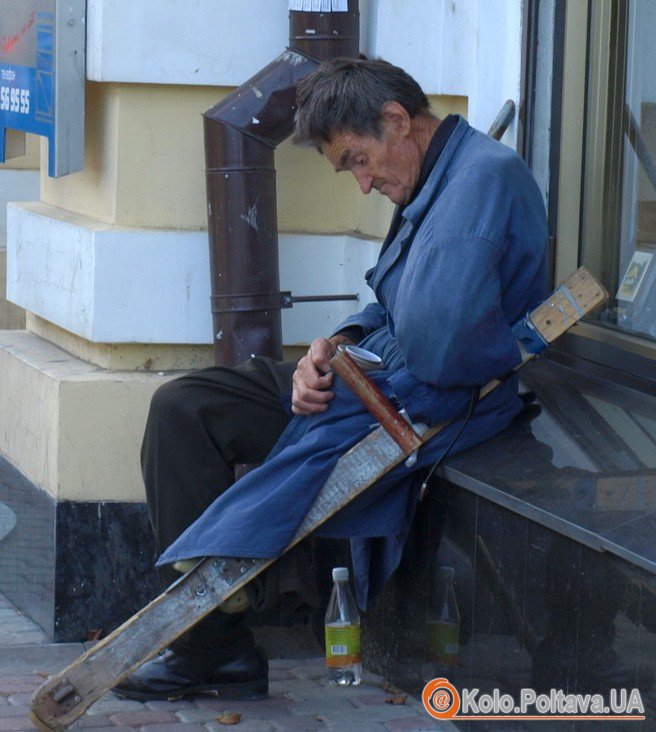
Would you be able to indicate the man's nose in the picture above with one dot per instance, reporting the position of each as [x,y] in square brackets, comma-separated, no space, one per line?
[365,181]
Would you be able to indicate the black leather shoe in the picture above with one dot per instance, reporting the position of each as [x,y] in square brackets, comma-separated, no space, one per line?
[171,676]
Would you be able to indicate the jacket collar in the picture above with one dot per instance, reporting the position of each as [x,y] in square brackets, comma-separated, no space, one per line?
[411,216]
[416,210]
[435,149]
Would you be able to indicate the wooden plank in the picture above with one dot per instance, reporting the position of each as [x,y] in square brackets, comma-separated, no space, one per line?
[182,605]
[65,696]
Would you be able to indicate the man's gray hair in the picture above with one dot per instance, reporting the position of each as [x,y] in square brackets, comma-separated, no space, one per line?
[347,95]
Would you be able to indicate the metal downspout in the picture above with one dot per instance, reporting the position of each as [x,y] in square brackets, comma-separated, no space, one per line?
[241,133]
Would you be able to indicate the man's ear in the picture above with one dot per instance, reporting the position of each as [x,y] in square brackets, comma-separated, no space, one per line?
[395,116]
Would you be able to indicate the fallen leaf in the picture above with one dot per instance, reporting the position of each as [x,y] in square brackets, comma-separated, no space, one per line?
[396,698]
[43,674]
[229,718]
[93,635]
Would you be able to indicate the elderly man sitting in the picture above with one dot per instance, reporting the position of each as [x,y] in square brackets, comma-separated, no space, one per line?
[465,257]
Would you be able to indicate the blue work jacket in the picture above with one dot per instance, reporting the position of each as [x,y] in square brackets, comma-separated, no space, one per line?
[469,260]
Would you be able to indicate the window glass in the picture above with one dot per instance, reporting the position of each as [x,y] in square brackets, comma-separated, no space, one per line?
[618,217]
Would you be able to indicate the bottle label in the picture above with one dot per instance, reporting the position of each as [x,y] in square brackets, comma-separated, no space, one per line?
[343,646]
[442,641]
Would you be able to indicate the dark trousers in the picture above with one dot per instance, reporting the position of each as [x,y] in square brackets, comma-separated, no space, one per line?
[199,427]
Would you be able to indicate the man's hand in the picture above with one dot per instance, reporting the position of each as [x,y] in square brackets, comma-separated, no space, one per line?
[312,378]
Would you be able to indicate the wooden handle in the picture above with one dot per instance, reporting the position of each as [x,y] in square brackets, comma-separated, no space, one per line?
[376,402]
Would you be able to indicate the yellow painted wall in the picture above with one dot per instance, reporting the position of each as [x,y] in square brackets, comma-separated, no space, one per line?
[311,196]
[144,159]
[161,159]
[30,160]
[442,105]
[92,191]
[145,167]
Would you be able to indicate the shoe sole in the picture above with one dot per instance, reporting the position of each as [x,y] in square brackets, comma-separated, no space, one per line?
[238,691]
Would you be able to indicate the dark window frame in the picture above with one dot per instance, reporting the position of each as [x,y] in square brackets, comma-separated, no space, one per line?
[620,359]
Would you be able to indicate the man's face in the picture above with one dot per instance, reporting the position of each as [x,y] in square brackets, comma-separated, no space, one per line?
[391,165]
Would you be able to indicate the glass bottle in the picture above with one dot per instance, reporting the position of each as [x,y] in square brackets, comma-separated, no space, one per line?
[443,622]
[342,628]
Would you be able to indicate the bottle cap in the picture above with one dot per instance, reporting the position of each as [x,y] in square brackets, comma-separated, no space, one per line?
[340,574]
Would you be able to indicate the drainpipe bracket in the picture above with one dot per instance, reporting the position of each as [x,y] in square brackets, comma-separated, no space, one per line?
[251,302]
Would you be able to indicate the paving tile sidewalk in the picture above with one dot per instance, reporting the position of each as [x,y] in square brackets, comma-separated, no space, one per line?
[301,697]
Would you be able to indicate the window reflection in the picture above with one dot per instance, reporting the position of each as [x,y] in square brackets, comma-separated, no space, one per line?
[619,194]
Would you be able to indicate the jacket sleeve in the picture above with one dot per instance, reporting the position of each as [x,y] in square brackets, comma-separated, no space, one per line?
[371,318]
[450,326]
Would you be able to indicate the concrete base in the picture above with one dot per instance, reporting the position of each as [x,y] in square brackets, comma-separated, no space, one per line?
[72,428]
[66,564]
[73,527]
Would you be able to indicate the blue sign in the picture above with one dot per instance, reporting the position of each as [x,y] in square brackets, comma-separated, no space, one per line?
[39,57]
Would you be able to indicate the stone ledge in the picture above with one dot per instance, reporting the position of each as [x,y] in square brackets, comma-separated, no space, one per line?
[123,356]
[124,285]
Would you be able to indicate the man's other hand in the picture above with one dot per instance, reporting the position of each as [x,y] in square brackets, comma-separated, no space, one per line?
[313,377]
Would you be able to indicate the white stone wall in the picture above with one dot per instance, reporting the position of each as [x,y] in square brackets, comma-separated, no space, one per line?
[468,48]
[459,47]
[199,42]
[90,279]
[118,285]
